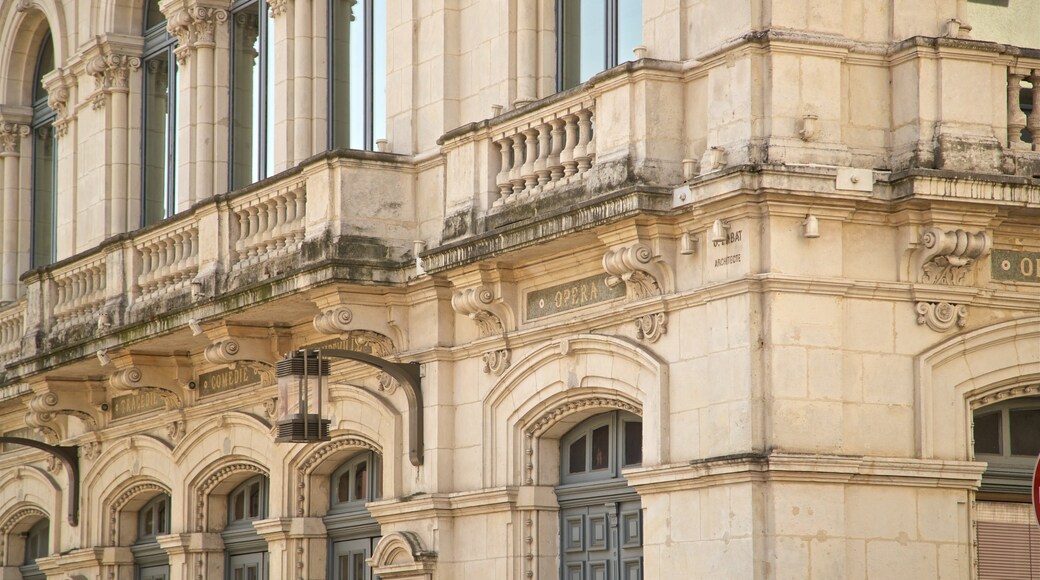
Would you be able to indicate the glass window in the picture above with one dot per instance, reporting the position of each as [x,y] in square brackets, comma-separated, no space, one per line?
[633,443]
[987,433]
[1025,432]
[248,501]
[355,482]
[159,124]
[44,163]
[357,73]
[154,518]
[577,456]
[252,93]
[599,446]
[1007,437]
[595,35]
[37,541]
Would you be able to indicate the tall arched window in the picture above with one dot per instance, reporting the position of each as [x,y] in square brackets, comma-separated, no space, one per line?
[159,125]
[37,542]
[252,92]
[44,163]
[353,532]
[357,73]
[246,550]
[601,519]
[594,35]
[153,520]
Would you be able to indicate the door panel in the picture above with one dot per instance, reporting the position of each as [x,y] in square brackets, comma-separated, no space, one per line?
[348,559]
[154,573]
[248,566]
[603,541]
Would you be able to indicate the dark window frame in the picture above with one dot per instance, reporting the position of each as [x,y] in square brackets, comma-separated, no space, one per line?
[159,43]
[266,101]
[243,490]
[43,119]
[611,40]
[333,111]
[616,422]
[1005,472]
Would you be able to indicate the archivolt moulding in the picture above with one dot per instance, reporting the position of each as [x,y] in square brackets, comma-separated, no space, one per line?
[202,492]
[124,498]
[313,459]
[11,521]
[402,555]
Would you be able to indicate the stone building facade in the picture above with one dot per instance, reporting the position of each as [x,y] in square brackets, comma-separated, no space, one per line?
[697,289]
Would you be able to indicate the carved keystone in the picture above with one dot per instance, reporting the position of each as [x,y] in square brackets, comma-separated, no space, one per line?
[941,316]
[947,257]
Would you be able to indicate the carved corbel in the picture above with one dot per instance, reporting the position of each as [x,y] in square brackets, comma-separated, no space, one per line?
[166,375]
[377,327]
[481,305]
[948,257]
[335,320]
[256,347]
[53,397]
[643,273]
[111,73]
[57,88]
[193,26]
[941,316]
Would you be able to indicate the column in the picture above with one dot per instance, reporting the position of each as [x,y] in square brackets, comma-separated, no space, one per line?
[194,556]
[303,82]
[526,52]
[298,547]
[11,135]
[117,72]
[205,22]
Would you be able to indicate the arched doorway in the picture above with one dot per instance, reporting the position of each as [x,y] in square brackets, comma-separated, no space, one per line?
[601,520]
[353,532]
[247,556]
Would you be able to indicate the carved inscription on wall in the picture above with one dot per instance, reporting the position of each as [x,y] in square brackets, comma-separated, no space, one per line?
[564,297]
[1016,266]
[731,246]
[129,405]
[227,379]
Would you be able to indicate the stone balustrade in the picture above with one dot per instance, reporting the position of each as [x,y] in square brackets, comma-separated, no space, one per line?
[78,291]
[273,223]
[1023,106]
[12,323]
[168,260]
[547,149]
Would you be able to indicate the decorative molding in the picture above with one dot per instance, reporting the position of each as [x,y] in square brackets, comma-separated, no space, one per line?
[1010,393]
[248,352]
[72,397]
[203,490]
[277,7]
[402,555]
[481,306]
[91,449]
[387,384]
[947,257]
[941,316]
[175,430]
[651,327]
[11,522]
[335,320]
[271,406]
[111,73]
[308,465]
[496,361]
[11,135]
[547,419]
[121,500]
[635,265]
[194,26]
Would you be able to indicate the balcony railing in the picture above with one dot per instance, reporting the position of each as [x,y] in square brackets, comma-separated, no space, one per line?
[12,325]
[168,260]
[1023,108]
[78,291]
[270,224]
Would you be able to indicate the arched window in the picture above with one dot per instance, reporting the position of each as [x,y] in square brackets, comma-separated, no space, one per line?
[357,73]
[252,92]
[1007,438]
[159,124]
[353,532]
[601,520]
[44,163]
[37,541]
[594,35]
[153,520]
[246,550]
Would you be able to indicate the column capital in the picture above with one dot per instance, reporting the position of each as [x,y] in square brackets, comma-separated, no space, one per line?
[111,73]
[193,24]
[11,135]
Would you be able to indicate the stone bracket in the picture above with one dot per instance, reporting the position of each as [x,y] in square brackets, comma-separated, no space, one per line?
[948,257]
[485,295]
[83,399]
[643,272]
[254,347]
[651,327]
[168,376]
[941,316]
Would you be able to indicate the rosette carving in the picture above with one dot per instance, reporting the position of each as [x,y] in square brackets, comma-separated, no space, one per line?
[947,257]
[941,316]
[635,265]
[479,305]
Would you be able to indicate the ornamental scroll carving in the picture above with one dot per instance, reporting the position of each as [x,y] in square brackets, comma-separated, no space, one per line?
[651,327]
[941,316]
[246,352]
[334,320]
[635,265]
[496,361]
[481,306]
[947,257]
[111,73]
[194,26]
[11,135]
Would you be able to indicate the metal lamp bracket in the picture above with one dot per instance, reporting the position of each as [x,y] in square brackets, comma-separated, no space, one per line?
[69,457]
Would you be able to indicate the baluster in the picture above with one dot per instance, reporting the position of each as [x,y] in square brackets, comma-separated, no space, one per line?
[149,264]
[1033,120]
[254,230]
[243,232]
[301,214]
[59,297]
[271,236]
[583,152]
[177,264]
[553,163]
[505,188]
[541,165]
[570,166]
[531,154]
[264,239]
[1016,116]
[280,219]
[518,162]
[291,218]
[162,248]
[78,288]
[193,252]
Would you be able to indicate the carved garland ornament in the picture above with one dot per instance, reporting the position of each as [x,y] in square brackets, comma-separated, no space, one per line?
[317,457]
[202,493]
[121,500]
[948,256]
[635,266]
[941,316]
[12,521]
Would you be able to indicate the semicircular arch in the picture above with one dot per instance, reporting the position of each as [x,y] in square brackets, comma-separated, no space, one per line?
[27,24]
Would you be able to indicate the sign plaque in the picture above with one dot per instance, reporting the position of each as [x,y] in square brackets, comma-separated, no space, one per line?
[227,379]
[564,297]
[1013,266]
[125,406]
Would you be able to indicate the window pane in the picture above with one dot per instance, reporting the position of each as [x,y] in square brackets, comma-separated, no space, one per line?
[44,162]
[245,95]
[343,488]
[633,442]
[361,481]
[157,130]
[154,16]
[254,500]
[44,65]
[344,568]
[987,433]
[160,517]
[148,523]
[239,502]
[601,447]
[577,456]
[339,71]
[377,473]
[629,27]
[1025,432]
[359,566]
[355,98]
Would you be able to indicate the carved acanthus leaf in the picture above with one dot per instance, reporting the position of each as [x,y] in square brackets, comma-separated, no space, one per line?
[947,257]
[638,268]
